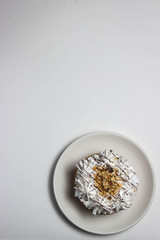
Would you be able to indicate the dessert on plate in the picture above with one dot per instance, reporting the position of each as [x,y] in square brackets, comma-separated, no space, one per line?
[105,182]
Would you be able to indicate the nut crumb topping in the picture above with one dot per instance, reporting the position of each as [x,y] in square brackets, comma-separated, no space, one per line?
[106,180]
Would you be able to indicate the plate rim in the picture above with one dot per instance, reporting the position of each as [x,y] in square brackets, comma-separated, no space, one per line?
[128,139]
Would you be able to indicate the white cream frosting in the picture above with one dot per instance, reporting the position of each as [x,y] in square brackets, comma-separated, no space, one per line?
[89,195]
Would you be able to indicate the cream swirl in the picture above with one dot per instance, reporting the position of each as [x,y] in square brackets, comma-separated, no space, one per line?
[90,196]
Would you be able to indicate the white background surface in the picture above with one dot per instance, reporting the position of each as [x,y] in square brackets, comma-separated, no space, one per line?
[68,68]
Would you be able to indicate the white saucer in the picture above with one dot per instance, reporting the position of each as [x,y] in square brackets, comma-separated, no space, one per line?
[74,210]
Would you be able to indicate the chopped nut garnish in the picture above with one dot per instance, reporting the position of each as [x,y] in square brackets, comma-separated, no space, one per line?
[106,181]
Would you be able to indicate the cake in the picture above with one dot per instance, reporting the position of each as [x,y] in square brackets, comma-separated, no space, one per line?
[105,182]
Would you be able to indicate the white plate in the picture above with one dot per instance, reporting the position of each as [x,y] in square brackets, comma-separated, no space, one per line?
[74,210]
